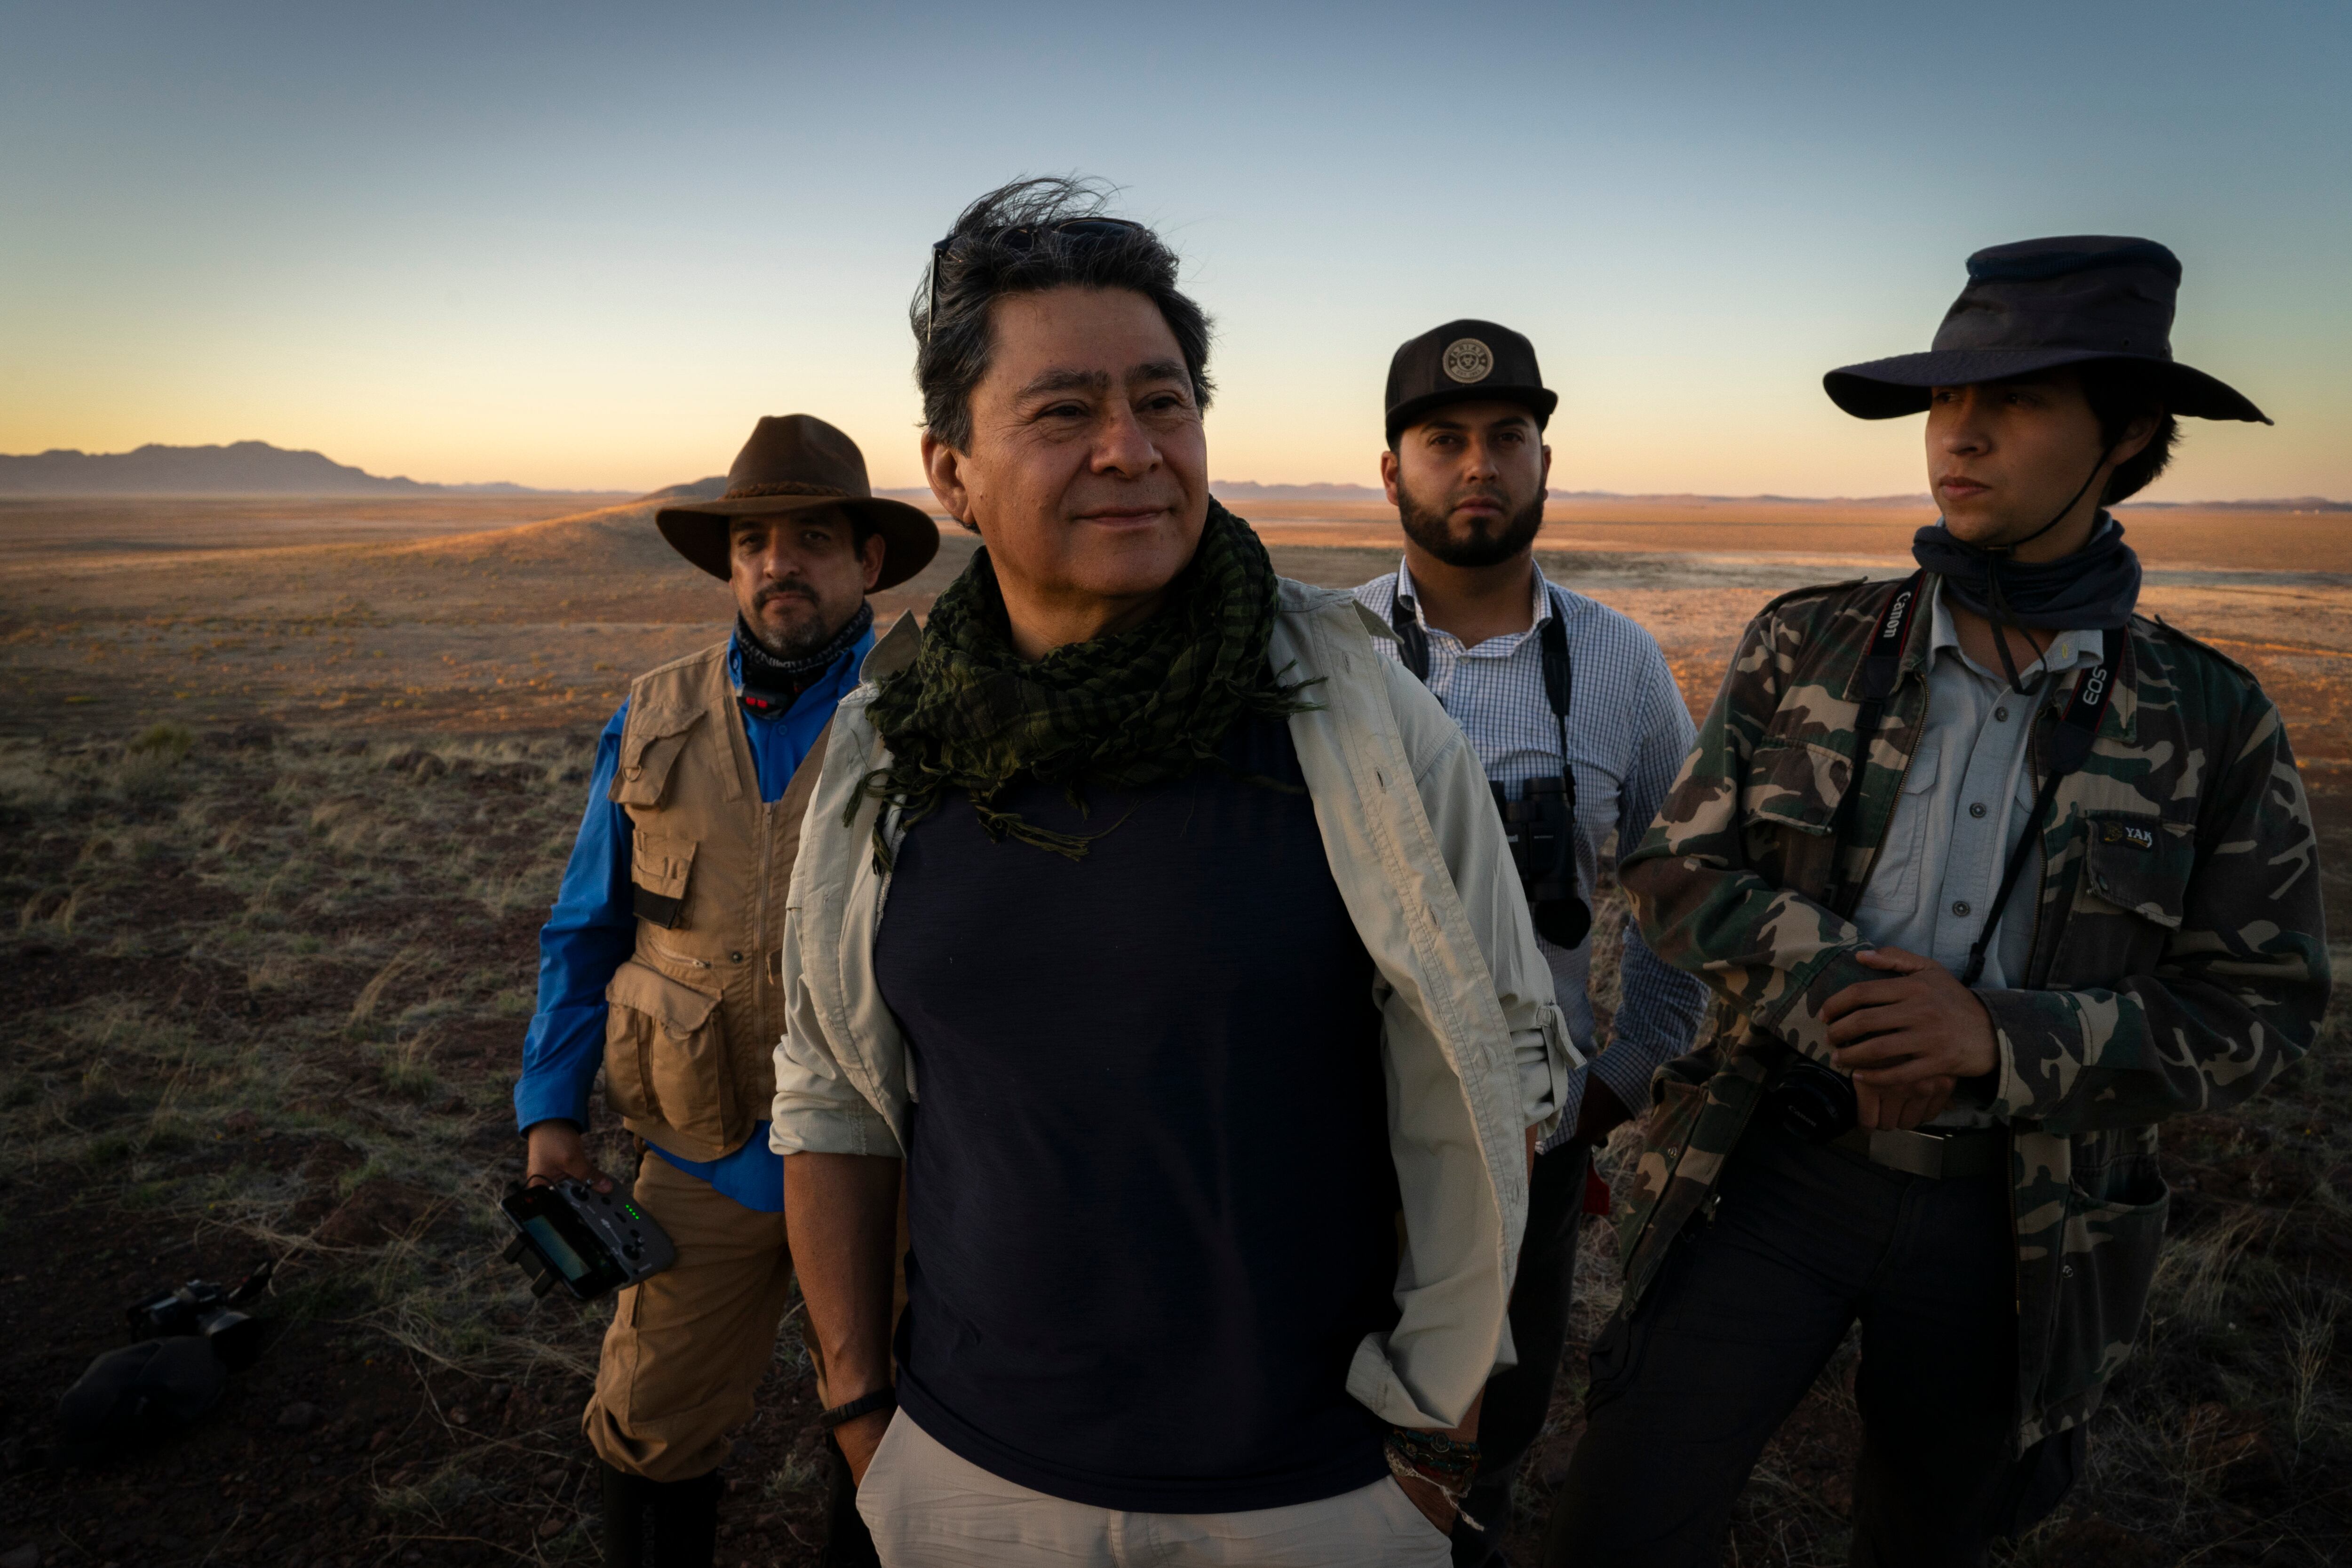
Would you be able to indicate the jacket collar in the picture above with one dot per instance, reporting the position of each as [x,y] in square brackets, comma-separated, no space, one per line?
[894,650]
[1930,620]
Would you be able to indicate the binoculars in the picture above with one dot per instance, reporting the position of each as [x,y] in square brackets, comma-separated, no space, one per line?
[1540,827]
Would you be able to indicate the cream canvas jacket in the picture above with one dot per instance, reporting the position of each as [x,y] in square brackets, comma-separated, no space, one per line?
[1475,1045]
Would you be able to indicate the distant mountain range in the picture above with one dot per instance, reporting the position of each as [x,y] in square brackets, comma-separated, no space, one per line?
[242,468]
[256,468]
[710,489]
[2290,503]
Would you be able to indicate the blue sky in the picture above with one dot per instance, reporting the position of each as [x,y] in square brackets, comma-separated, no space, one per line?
[583,246]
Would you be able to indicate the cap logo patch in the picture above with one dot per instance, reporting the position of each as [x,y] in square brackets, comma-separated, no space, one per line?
[1467,360]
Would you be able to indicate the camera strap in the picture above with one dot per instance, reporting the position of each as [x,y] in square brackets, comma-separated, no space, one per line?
[1560,688]
[1880,669]
[1412,642]
[1558,670]
[2070,747]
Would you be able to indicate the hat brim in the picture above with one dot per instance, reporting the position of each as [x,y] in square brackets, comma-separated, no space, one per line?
[1889,388]
[698,529]
[1538,401]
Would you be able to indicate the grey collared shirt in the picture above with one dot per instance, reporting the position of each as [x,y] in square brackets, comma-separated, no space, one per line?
[1628,733]
[1965,804]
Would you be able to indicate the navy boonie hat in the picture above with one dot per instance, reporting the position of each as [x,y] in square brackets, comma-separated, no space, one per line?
[2042,303]
[1465,362]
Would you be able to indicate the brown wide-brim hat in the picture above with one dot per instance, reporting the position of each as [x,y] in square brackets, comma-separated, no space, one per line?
[2039,304]
[797,462]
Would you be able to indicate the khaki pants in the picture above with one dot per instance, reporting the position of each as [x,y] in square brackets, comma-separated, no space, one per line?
[688,1347]
[928,1508]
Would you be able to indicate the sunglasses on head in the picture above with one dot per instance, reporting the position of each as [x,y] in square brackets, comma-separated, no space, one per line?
[1024,238]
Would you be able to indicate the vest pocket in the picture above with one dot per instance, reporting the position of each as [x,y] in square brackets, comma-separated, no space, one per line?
[659,870]
[665,1053]
[650,745]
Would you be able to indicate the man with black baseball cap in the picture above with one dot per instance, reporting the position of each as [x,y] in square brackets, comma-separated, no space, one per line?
[1992,876]
[1578,724]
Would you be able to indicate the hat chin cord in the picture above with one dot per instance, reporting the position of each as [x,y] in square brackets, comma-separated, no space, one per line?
[1994,554]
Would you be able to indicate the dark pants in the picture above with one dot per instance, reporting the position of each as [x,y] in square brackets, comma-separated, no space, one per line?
[1744,1314]
[1512,1415]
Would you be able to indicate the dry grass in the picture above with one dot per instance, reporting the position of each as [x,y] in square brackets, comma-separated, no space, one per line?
[270,995]
[271,998]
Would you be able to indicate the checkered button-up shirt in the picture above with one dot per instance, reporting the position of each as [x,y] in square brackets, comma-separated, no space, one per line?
[1628,734]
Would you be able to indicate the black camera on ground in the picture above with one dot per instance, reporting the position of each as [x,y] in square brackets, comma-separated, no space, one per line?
[189,1341]
[591,1242]
[1540,827]
[202,1307]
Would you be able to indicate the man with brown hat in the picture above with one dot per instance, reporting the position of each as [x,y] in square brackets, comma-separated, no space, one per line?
[658,963]
[1990,876]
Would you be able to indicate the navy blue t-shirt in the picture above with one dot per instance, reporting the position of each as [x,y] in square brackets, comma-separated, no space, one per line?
[1148,1189]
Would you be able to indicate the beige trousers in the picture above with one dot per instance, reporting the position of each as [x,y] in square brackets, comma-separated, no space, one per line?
[688,1347]
[928,1508]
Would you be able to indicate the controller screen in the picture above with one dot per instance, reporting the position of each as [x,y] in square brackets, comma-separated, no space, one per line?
[555,1249]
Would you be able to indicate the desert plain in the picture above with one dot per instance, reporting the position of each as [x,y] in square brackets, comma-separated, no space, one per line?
[286,787]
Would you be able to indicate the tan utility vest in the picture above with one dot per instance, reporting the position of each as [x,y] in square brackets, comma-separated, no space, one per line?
[690,1044]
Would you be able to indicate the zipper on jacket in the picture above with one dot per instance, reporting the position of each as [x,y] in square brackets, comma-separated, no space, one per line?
[672,957]
[762,938]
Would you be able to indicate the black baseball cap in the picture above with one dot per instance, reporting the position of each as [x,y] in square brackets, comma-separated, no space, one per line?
[1465,362]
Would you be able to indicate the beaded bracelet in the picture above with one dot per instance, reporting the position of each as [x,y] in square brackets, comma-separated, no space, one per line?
[1448,1464]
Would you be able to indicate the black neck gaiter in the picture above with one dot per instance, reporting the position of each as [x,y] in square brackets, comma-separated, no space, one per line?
[771,685]
[2094,589]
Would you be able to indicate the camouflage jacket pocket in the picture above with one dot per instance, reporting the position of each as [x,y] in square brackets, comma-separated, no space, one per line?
[2138,861]
[1788,804]
[2133,894]
[2105,1263]
[1677,1095]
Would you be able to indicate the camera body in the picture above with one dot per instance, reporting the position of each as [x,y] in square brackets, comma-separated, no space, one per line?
[1814,1102]
[1540,827]
[591,1242]
[209,1310]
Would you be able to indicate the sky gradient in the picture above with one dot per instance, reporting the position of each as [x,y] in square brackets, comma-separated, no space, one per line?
[572,246]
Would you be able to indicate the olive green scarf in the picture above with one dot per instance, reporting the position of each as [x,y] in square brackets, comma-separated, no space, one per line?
[1133,709]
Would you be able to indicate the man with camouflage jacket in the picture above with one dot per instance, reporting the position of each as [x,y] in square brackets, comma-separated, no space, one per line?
[2072,892]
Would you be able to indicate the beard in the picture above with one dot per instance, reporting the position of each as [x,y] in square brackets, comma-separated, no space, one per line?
[1487,544]
[802,629]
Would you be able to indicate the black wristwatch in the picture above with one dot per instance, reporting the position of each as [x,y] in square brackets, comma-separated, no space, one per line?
[883,1398]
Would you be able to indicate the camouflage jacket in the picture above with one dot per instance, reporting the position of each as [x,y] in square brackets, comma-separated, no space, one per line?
[2177,962]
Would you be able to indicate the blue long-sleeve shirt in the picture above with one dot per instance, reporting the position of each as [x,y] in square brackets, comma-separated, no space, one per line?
[592,930]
